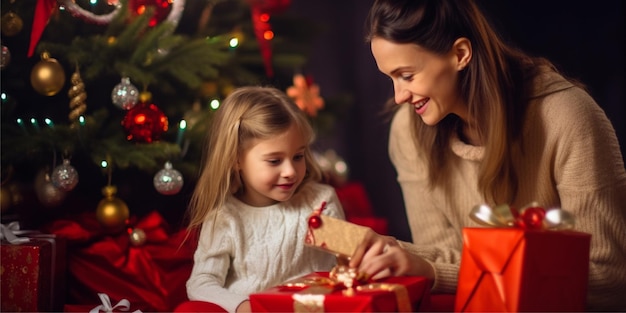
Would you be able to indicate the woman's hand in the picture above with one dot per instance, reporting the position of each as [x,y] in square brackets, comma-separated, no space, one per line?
[381,256]
[244,307]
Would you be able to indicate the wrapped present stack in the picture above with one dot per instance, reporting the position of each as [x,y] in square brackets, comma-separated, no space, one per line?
[525,260]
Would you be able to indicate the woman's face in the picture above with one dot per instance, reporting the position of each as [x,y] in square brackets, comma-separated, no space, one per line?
[421,78]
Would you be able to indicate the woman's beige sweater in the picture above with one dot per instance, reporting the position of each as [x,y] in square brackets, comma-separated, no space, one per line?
[572,160]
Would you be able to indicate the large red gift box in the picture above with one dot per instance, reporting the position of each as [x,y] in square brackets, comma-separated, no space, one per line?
[513,270]
[32,275]
[394,294]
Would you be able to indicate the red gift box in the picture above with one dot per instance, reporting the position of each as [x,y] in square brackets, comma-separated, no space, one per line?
[33,274]
[513,270]
[394,294]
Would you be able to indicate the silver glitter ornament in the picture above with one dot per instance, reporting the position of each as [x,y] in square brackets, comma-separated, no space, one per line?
[125,95]
[65,176]
[168,181]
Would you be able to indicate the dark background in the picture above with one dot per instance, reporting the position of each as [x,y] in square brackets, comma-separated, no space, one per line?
[584,39]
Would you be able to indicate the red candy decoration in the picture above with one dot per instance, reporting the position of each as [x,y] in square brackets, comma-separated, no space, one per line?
[315,221]
[145,123]
[532,218]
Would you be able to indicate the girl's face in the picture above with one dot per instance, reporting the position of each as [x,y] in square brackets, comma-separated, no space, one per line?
[423,79]
[272,169]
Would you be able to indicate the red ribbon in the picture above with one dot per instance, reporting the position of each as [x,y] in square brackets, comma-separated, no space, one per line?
[43,11]
[261,10]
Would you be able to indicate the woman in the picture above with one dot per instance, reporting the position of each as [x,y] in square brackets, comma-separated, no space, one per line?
[481,122]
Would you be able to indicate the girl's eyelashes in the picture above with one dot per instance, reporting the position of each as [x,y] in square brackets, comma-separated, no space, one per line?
[273,161]
[297,157]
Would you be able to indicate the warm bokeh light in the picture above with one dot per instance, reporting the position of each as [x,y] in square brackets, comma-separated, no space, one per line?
[140,119]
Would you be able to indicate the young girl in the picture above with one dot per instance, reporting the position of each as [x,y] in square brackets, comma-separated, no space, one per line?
[258,185]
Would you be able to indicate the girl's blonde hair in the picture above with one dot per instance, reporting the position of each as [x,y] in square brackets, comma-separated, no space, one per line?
[249,113]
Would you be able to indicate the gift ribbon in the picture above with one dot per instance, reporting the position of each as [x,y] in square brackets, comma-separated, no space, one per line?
[308,302]
[312,292]
[122,305]
[402,294]
[531,216]
[10,233]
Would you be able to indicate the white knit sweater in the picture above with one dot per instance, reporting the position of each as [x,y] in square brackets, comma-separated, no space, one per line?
[253,248]
[571,160]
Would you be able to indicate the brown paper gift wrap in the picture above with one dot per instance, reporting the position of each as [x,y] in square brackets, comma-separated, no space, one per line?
[394,294]
[513,270]
[336,236]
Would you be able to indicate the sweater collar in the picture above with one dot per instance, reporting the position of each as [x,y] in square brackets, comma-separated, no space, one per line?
[466,151]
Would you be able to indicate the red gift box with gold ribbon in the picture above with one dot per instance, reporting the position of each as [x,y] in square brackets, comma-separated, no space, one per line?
[316,292]
[151,275]
[524,267]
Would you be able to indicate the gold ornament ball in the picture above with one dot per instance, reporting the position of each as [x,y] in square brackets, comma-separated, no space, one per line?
[137,237]
[11,24]
[111,212]
[47,76]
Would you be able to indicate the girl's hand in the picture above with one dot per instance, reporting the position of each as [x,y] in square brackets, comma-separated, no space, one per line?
[381,256]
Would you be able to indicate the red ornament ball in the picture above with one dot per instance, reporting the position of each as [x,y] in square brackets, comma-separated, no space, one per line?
[162,9]
[145,123]
[532,218]
[315,221]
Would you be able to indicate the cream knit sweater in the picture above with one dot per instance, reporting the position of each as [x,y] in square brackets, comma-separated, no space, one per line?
[572,160]
[253,248]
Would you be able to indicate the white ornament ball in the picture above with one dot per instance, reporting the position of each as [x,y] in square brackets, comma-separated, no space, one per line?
[168,181]
[125,95]
[65,176]
[137,237]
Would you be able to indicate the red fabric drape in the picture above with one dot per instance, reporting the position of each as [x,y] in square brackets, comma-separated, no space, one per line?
[151,276]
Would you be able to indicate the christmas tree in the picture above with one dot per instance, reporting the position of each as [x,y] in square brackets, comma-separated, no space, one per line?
[105,104]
